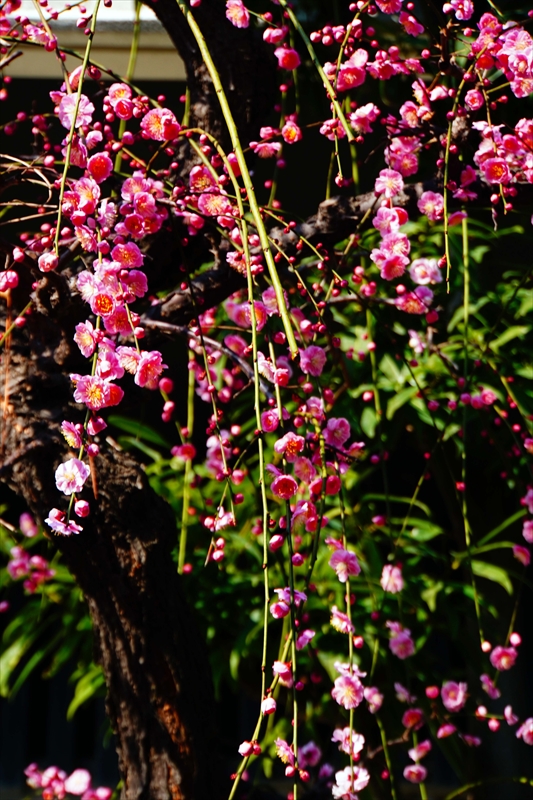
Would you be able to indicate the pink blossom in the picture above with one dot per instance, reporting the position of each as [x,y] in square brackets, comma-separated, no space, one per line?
[269,420]
[349,781]
[312,360]
[290,445]
[340,621]
[337,431]
[283,672]
[389,220]
[345,563]
[47,262]
[304,469]
[410,24]
[403,694]
[85,338]
[432,205]
[525,731]
[424,271]
[503,658]
[303,638]
[160,124]
[128,255]
[389,183]
[527,530]
[413,718]
[71,434]
[374,698]
[275,35]
[237,13]
[149,369]
[100,167]
[78,782]
[417,302]
[522,554]
[56,520]
[27,525]
[291,132]
[510,717]
[446,730]
[352,72]
[8,280]
[389,6]
[463,8]
[348,691]
[342,736]
[496,170]
[421,750]
[67,109]
[415,773]
[284,486]
[284,751]
[93,391]
[453,695]
[400,642]
[391,579]
[71,476]
[287,57]
[361,118]
[268,706]
[309,755]
[488,686]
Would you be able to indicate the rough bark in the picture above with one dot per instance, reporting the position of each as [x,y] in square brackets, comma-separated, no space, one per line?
[160,699]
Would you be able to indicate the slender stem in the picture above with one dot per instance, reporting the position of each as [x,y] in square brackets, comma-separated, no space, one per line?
[387,756]
[73,125]
[252,200]
[129,73]
[188,474]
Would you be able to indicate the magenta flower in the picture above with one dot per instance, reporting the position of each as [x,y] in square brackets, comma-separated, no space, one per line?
[391,579]
[345,563]
[415,773]
[421,750]
[160,124]
[453,695]
[93,391]
[284,751]
[446,730]
[349,781]
[352,73]
[342,736]
[67,109]
[525,731]
[374,698]
[284,486]
[312,360]
[287,57]
[71,476]
[400,642]
[488,686]
[237,13]
[340,621]
[503,657]
[71,434]
[389,183]
[269,420]
[303,639]
[85,338]
[424,271]
[149,369]
[337,431]
[413,719]
[56,520]
[290,445]
[348,691]
[128,255]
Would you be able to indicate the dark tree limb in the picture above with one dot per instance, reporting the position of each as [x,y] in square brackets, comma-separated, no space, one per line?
[160,700]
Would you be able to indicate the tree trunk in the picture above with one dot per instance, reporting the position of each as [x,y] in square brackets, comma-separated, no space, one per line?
[160,698]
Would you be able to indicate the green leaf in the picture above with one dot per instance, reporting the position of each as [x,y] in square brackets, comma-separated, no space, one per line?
[492,573]
[138,429]
[129,441]
[369,422]
[86,687]
[429,595]
[511,333]
[505,524]
[394,498]
[400,399]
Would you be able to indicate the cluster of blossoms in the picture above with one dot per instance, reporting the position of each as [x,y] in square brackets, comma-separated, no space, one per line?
[34,569]
[53,783]
[313,450]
